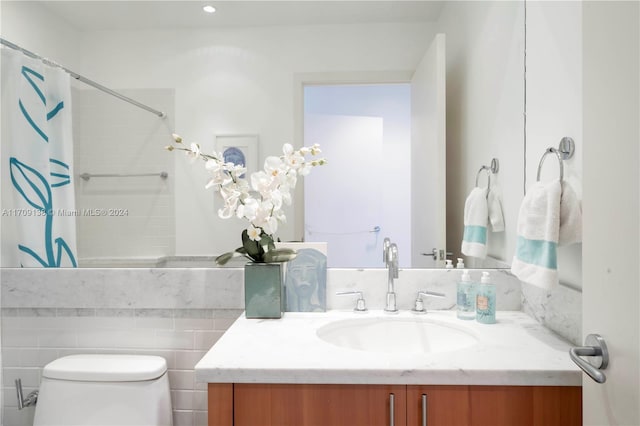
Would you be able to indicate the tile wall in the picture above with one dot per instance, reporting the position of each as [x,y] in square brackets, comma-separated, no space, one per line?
[123,217]
[174,313]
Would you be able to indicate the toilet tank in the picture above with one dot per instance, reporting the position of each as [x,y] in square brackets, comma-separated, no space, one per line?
[105,390]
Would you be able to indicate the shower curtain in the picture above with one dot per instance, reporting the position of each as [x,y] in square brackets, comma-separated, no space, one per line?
[38,202]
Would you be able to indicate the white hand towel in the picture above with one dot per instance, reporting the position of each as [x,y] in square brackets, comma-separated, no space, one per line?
[570,217]
[496,216]
[538,228]
[476,216]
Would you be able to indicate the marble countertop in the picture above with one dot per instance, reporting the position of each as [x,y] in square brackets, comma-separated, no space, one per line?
[516,350]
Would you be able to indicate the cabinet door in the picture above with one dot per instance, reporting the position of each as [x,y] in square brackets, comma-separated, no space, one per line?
[526,405]
[438,406]
[319,405]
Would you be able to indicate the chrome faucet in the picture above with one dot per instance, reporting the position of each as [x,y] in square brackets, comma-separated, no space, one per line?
[391,260]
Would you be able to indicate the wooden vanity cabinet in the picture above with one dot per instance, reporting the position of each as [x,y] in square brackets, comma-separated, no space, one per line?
[442,405]
[370,405]
[306,405]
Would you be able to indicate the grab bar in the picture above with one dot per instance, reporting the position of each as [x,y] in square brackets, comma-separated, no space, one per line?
[87,176]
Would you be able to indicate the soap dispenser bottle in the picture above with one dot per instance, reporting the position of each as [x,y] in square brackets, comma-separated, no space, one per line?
[486,301]
[466,299]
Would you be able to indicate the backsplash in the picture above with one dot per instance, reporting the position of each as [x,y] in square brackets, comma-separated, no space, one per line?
[178,313]
[559,310]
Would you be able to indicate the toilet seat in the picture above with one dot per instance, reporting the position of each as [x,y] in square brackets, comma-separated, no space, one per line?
[106,368]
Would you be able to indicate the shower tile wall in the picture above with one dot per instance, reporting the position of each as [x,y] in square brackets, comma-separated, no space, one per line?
[123,217]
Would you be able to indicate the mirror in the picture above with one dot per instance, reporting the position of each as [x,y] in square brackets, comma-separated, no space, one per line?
[232,74]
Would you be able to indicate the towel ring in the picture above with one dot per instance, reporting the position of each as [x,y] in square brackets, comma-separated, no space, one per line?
[493,169]
[488,169]
[559,155]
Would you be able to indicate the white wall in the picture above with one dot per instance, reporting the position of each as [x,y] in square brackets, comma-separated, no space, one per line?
[485,102]
[554,103]
[44,34]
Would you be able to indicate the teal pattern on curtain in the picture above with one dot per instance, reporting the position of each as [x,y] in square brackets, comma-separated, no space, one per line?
[38,155]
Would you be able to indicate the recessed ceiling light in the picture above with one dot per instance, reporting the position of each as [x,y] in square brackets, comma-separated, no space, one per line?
[209,9]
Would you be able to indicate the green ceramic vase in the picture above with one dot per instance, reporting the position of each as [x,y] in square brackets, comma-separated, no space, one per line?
[264,290]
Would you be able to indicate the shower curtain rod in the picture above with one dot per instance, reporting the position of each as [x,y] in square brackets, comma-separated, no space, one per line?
[83,79]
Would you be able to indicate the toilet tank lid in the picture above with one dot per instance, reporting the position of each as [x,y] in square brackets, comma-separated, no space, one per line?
[106,368]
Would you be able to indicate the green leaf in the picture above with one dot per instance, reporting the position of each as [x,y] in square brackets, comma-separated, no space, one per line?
[224,258]
[253,248]
[280,255]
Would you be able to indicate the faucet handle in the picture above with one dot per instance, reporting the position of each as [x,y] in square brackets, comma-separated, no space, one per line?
[419,304]
[385,250]
[361,305]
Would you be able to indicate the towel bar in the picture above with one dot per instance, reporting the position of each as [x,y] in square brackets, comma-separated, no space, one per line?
[87,176]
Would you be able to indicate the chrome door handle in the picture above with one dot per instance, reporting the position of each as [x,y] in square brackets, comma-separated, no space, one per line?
[596,351]
[438,254]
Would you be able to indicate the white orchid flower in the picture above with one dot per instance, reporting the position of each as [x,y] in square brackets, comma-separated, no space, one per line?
[254,233]
[258,198]
[226,212]
[194,152]
[275,167]
[293,159]
[271,225]
[315,149]
[305,170]
[213,166]
[259,181]
[276,199]
[248,209]
[286,198]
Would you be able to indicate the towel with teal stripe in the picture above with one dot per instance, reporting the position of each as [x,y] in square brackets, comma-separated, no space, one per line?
[550,215]
[476,219]
[536,259]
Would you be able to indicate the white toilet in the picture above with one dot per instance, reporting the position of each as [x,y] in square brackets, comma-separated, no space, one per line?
[106,390]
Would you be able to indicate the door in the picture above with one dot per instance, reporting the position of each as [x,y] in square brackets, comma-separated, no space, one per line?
[611,295]
[346,206]
[428,157]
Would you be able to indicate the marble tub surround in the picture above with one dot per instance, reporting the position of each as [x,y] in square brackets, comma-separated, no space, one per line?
[516,350]
[222,288]
[151,288]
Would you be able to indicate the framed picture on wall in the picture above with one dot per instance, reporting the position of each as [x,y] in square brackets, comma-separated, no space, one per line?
[239,149]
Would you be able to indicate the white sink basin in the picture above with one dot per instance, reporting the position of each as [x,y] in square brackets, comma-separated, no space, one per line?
[393,334]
